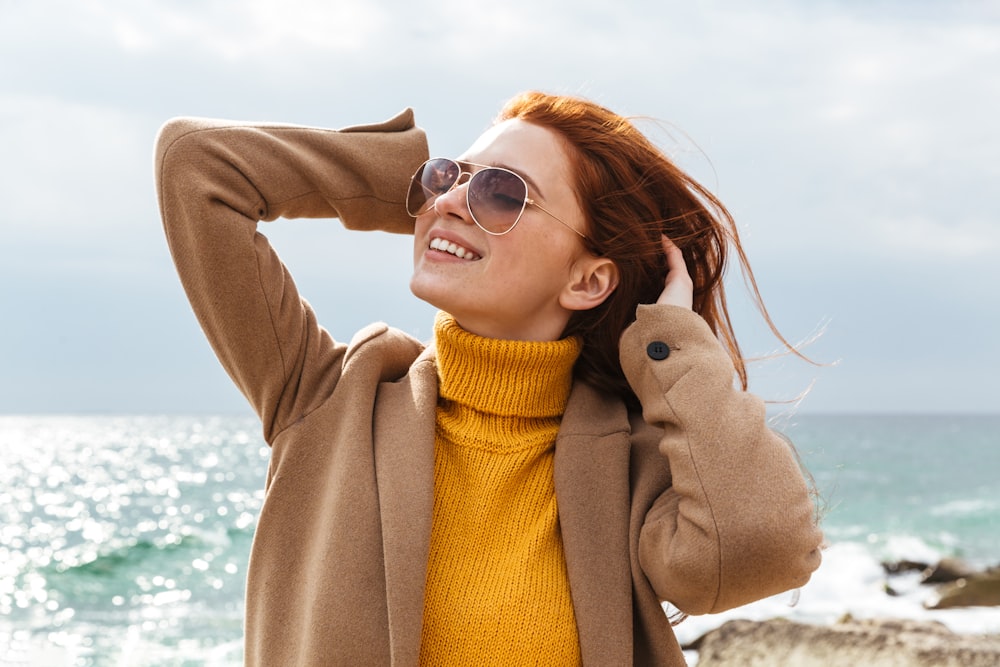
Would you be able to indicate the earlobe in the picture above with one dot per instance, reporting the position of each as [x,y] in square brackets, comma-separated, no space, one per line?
[591,284]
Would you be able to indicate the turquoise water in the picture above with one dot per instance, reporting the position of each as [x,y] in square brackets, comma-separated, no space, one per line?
[894,481]
[124,540]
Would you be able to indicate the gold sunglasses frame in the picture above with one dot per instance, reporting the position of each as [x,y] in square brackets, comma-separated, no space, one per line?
[462,171]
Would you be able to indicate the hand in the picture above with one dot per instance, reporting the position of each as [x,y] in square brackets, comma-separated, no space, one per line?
[678,289]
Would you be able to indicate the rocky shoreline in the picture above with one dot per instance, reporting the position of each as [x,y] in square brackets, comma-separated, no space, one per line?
[957,584]
[847,643]
[870,642]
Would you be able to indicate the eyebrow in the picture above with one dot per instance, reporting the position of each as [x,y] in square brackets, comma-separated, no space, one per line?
[527,179]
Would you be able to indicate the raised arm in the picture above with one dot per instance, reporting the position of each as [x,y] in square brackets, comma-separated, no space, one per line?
[737,523]
[216,180]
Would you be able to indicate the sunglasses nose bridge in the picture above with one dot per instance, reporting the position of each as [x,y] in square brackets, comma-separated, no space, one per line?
[463,179]
[453,197]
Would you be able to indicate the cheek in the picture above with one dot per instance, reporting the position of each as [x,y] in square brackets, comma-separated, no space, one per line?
[420,228]
[421,224]
[540,263]
[549,250]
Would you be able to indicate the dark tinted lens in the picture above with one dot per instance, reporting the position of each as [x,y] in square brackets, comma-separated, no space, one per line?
[496,198]
[433,179]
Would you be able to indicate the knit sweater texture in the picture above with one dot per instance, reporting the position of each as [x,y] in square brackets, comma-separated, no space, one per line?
[497,587]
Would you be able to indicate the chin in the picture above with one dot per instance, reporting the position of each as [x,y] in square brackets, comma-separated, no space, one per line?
[433,295]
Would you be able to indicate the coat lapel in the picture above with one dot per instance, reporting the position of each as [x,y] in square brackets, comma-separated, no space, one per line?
[404,468]
[592,489]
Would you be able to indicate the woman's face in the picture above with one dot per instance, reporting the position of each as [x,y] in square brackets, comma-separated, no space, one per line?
[514,286]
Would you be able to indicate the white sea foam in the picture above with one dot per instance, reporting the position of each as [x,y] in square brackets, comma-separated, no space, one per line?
[897,547]
[964,507]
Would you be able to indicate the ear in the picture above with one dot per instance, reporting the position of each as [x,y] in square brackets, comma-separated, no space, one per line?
[592,280]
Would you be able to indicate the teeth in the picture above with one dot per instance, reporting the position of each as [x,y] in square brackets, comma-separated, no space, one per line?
[452,249]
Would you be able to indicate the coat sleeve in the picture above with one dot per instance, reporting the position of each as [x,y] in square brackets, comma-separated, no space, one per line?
[215,181]
[737,523]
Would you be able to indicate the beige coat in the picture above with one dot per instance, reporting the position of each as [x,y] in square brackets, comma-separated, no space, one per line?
[698,503]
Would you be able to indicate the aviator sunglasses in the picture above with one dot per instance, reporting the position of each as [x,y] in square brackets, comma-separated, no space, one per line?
[496,197]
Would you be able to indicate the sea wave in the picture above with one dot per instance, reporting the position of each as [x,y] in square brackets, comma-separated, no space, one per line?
[967,507]
[853,581]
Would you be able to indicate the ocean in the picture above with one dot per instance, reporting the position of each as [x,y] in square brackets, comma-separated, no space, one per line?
[124,539]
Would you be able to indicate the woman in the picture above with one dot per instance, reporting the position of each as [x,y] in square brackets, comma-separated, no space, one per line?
[567,453]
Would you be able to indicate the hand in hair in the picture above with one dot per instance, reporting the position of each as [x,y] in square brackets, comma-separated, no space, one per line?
[678,289]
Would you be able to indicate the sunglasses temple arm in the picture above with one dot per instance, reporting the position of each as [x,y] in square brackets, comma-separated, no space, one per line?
[532,202]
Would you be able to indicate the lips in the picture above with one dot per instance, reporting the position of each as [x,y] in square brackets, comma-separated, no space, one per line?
[452,248]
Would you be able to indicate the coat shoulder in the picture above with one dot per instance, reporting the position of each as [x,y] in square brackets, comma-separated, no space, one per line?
[390,350]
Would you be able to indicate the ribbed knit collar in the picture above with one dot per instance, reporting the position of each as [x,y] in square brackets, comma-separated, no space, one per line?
[504,377]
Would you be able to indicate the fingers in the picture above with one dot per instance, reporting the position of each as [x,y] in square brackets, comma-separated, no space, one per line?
[675,258]
[678,289]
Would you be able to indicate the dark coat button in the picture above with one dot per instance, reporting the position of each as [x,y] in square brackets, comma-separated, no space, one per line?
[658,350]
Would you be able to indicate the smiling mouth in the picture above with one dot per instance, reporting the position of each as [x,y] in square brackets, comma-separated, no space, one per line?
[451,248]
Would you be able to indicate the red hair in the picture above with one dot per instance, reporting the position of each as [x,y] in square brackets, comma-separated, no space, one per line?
[630,194]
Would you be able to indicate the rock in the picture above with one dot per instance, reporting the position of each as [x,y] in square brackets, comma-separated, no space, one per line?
[903,566]
[947,569]
[981,589]
[848,643]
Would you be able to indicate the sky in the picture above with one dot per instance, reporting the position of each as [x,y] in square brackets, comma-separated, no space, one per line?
[856,144]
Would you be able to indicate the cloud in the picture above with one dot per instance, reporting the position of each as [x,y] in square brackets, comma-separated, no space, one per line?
[259,29]
[853,141]
[70,167]
[923,239]
[232,30]
[812,120]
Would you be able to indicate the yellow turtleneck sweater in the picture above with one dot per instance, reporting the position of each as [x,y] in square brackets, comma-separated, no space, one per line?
[497,591]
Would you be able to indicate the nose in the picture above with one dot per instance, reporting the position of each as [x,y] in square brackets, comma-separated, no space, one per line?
[455,202]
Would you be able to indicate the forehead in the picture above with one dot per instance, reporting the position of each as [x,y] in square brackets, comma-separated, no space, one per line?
[529,149]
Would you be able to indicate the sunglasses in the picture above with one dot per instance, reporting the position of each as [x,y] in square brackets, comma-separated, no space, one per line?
[496,197]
